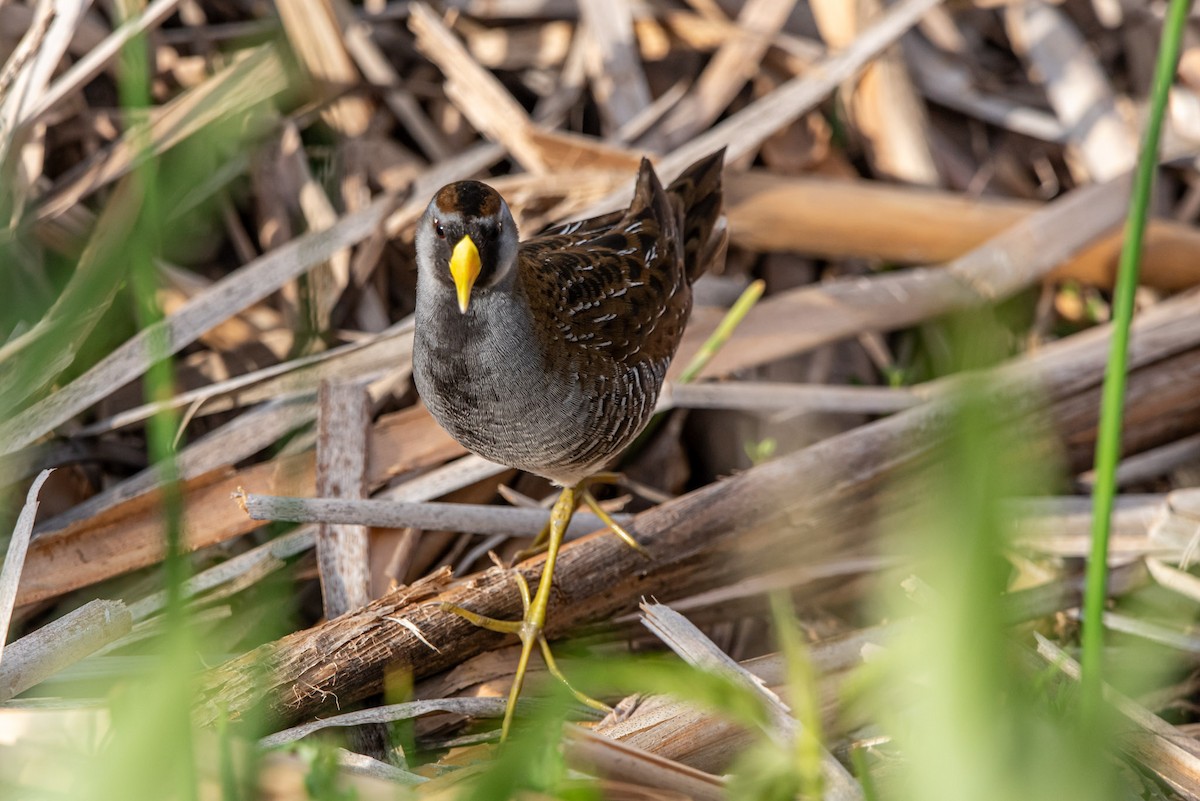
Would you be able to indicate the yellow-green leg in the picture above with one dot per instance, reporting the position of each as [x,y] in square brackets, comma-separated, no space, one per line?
[535,615]
[583,489]
[530,628]
[613,525]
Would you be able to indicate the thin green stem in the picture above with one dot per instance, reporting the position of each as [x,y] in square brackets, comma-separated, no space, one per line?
[716,340]
[142,249]
[802,688]
[535,614]
[732,319]
[1108,441]
[862,772]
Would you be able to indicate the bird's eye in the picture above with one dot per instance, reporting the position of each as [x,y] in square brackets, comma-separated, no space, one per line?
[439,230]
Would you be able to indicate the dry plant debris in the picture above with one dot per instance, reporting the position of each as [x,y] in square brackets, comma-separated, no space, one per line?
[232,186]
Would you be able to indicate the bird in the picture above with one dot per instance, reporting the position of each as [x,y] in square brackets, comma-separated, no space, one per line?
[548,355]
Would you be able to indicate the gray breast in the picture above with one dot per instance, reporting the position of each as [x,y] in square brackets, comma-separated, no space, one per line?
[485,379]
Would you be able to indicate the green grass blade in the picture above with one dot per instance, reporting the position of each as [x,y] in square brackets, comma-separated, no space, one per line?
[729,323]
[1108,441]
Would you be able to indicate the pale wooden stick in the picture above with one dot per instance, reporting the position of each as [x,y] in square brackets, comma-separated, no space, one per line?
[328,280]
[1062,526]
[475,707]
[841,217]
[464,517]
[1146,630]
[358,764]
[456,475]
[14,559]
[1178,524]
[695,648]
[949,84]
[342,442]
[15,73]
[677,730]
[1058,56]
[543,45]
[1152,463]
[586,750]
[80,633]
[614,64]
[1175,580]
[768,396]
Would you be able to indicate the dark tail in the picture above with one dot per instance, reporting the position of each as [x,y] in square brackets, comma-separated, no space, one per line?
[697,193]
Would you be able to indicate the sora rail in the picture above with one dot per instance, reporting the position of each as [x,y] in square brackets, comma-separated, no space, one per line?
[548,355]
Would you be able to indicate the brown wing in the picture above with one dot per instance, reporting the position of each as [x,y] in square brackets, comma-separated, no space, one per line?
[698,196]
[582,230]
[698,200]
[619,293]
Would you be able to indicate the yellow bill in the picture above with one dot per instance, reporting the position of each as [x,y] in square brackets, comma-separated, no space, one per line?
[464,269]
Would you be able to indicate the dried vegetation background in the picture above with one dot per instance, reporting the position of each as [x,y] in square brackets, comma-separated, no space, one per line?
[888,168]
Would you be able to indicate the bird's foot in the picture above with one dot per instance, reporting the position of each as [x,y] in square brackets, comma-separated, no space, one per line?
[529,628]
[613,525]
[483,621]
[585,494]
